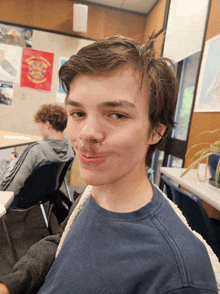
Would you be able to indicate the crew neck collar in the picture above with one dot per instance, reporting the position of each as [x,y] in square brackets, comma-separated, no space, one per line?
[141,213]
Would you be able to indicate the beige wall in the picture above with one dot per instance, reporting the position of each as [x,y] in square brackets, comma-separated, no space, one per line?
[26,101]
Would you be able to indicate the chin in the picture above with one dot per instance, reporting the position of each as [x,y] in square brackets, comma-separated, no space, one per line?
[93,179]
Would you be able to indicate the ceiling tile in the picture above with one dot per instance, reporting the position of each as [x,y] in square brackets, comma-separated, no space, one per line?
[141,6]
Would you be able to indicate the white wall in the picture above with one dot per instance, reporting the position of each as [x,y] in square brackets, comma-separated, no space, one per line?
[185,28]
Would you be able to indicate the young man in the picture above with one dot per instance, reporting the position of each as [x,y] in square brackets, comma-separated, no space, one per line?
[127,237]
[52,120]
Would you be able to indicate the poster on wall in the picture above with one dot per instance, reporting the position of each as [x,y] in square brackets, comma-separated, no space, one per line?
[10,63]
[37,68]
[17,36]
[60,92]
[6,93]
[208,90]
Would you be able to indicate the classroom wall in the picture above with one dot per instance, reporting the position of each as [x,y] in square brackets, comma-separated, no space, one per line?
[205,121]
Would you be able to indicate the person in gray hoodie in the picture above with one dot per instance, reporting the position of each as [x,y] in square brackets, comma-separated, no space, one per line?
[52,120]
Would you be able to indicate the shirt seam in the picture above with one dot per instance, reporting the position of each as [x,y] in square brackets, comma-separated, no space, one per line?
[191,287]
[177,253]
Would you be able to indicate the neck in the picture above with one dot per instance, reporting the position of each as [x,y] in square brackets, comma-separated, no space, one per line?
[124,197]
[55,135]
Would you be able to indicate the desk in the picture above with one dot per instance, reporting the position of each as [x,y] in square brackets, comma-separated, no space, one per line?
[6,198]
[190,181]
[10,139]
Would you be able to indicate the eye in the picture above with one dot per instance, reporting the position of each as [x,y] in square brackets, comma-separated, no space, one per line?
[77,114]
[118,116]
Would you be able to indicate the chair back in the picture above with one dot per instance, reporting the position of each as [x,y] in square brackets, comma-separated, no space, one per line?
[45,178]
[194,212]
[167,185]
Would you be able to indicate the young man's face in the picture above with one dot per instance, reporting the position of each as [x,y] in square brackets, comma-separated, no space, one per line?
[108,127]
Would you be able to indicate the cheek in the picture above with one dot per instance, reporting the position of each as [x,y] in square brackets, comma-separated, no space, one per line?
[68,128]
[140,144]
[71,132]
[132,142]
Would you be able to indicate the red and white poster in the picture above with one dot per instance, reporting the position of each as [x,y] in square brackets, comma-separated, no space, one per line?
[37,68]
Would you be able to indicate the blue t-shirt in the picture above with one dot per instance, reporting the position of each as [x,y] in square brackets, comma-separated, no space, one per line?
[148,251]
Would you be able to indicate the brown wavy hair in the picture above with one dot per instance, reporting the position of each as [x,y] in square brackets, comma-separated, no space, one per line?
[55,114]
[103,57]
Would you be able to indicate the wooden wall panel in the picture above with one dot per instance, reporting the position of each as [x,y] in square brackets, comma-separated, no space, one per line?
[105,22]
[154,23]
[213,27]
[201,121]
[50,15]
[57,15]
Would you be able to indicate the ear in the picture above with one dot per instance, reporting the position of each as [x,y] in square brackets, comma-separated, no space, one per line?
[156,135]
[47,123]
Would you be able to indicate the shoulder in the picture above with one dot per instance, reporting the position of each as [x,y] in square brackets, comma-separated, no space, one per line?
[25,151]
[188,252]
[170,222]
[32,152]
[44,144]
[31,146]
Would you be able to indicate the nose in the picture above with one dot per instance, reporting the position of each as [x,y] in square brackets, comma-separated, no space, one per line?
[91,132]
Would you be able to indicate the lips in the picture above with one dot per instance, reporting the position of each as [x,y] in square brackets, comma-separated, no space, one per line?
[91,159]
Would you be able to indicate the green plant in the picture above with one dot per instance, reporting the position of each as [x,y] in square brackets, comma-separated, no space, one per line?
[212,148]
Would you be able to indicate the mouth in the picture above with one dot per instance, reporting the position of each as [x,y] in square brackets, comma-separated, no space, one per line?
[91,159]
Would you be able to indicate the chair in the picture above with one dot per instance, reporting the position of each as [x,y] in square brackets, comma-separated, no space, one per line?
[45,179]
[195,214]
[167,185]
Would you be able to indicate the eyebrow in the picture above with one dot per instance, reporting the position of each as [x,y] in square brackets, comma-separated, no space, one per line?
[73,103]
[122,103]
[111,104]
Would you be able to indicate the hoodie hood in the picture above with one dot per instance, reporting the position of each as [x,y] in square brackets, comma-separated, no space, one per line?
[58,150]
